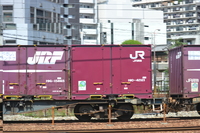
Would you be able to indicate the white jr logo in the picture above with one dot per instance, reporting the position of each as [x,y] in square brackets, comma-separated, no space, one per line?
[138,53]
[178,55]
[45,57]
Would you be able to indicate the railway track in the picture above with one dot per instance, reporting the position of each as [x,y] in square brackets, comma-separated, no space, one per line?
[100,126]
[102,120]
[191,128]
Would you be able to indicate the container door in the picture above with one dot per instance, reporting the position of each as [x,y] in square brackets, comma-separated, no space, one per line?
[176,71]
[191,71]
[46,71]
[14,70]
[131,70]
[90,71]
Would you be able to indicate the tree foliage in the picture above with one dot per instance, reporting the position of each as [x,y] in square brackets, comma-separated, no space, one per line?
[135,42]
[176,43]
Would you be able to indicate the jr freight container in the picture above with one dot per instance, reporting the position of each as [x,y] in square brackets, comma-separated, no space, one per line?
[111,70]
[76,72]
[184,71]
[34,71]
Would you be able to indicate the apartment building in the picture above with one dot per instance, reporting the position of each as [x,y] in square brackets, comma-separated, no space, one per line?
[182,18]
[41,22]
[89,22]
[96,18]
[123,22]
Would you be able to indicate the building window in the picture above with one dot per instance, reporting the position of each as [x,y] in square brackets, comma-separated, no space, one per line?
[179,28]
[10,41]
[10,26]
[71,16]
[7,8]
[146,38]
[143,6]
[32,14]
[192,28]
[153,5]
[165,16]
[179,21]
[32,18]
[7,17]
[165,10]
[69,5]
[35,27]
[190,21]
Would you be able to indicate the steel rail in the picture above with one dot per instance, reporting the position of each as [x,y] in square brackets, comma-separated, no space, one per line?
[192,128]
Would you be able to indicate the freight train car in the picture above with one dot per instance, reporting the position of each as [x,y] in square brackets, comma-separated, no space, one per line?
[184,72]
[91,77]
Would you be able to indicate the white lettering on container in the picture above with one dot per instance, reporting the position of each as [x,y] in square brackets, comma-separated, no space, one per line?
[45,57]
[138,54]
[192,80]
[138,80]
[178,55]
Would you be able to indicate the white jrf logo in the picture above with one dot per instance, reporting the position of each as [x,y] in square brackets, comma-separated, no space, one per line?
[138,54]
[45,57]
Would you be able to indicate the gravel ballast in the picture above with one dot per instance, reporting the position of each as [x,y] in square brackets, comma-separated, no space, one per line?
[135,116]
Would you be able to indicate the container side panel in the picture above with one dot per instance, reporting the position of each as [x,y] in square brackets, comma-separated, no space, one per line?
[14,70]
[191,70]
[46,71]
[175,71]
[132,71]
[89,64]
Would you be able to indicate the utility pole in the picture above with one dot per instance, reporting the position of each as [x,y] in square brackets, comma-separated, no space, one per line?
[112,39]
[1,25]
[154,56]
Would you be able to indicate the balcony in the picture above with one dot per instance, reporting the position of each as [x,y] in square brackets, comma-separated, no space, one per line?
[86,20]
[86,1]
[87,10]
[89,42]
[192,28]
[90,31]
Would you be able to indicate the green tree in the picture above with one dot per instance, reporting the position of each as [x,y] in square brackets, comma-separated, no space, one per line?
[127,42]
[176,43]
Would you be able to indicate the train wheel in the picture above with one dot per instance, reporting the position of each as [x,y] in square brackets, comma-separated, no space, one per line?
[126,111]
[198,108]
[82,112]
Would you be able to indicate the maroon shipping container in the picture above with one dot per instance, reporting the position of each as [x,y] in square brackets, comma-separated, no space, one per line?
[34,71]
[111,70]
[184,68]
[94,70]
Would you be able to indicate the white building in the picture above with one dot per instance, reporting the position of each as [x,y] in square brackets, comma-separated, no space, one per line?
[144,25]
[182,17]
[41,22]
[89,22]
[47,22]
[27,22]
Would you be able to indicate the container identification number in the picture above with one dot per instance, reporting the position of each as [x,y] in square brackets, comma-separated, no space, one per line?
[192,80]
[138,80]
